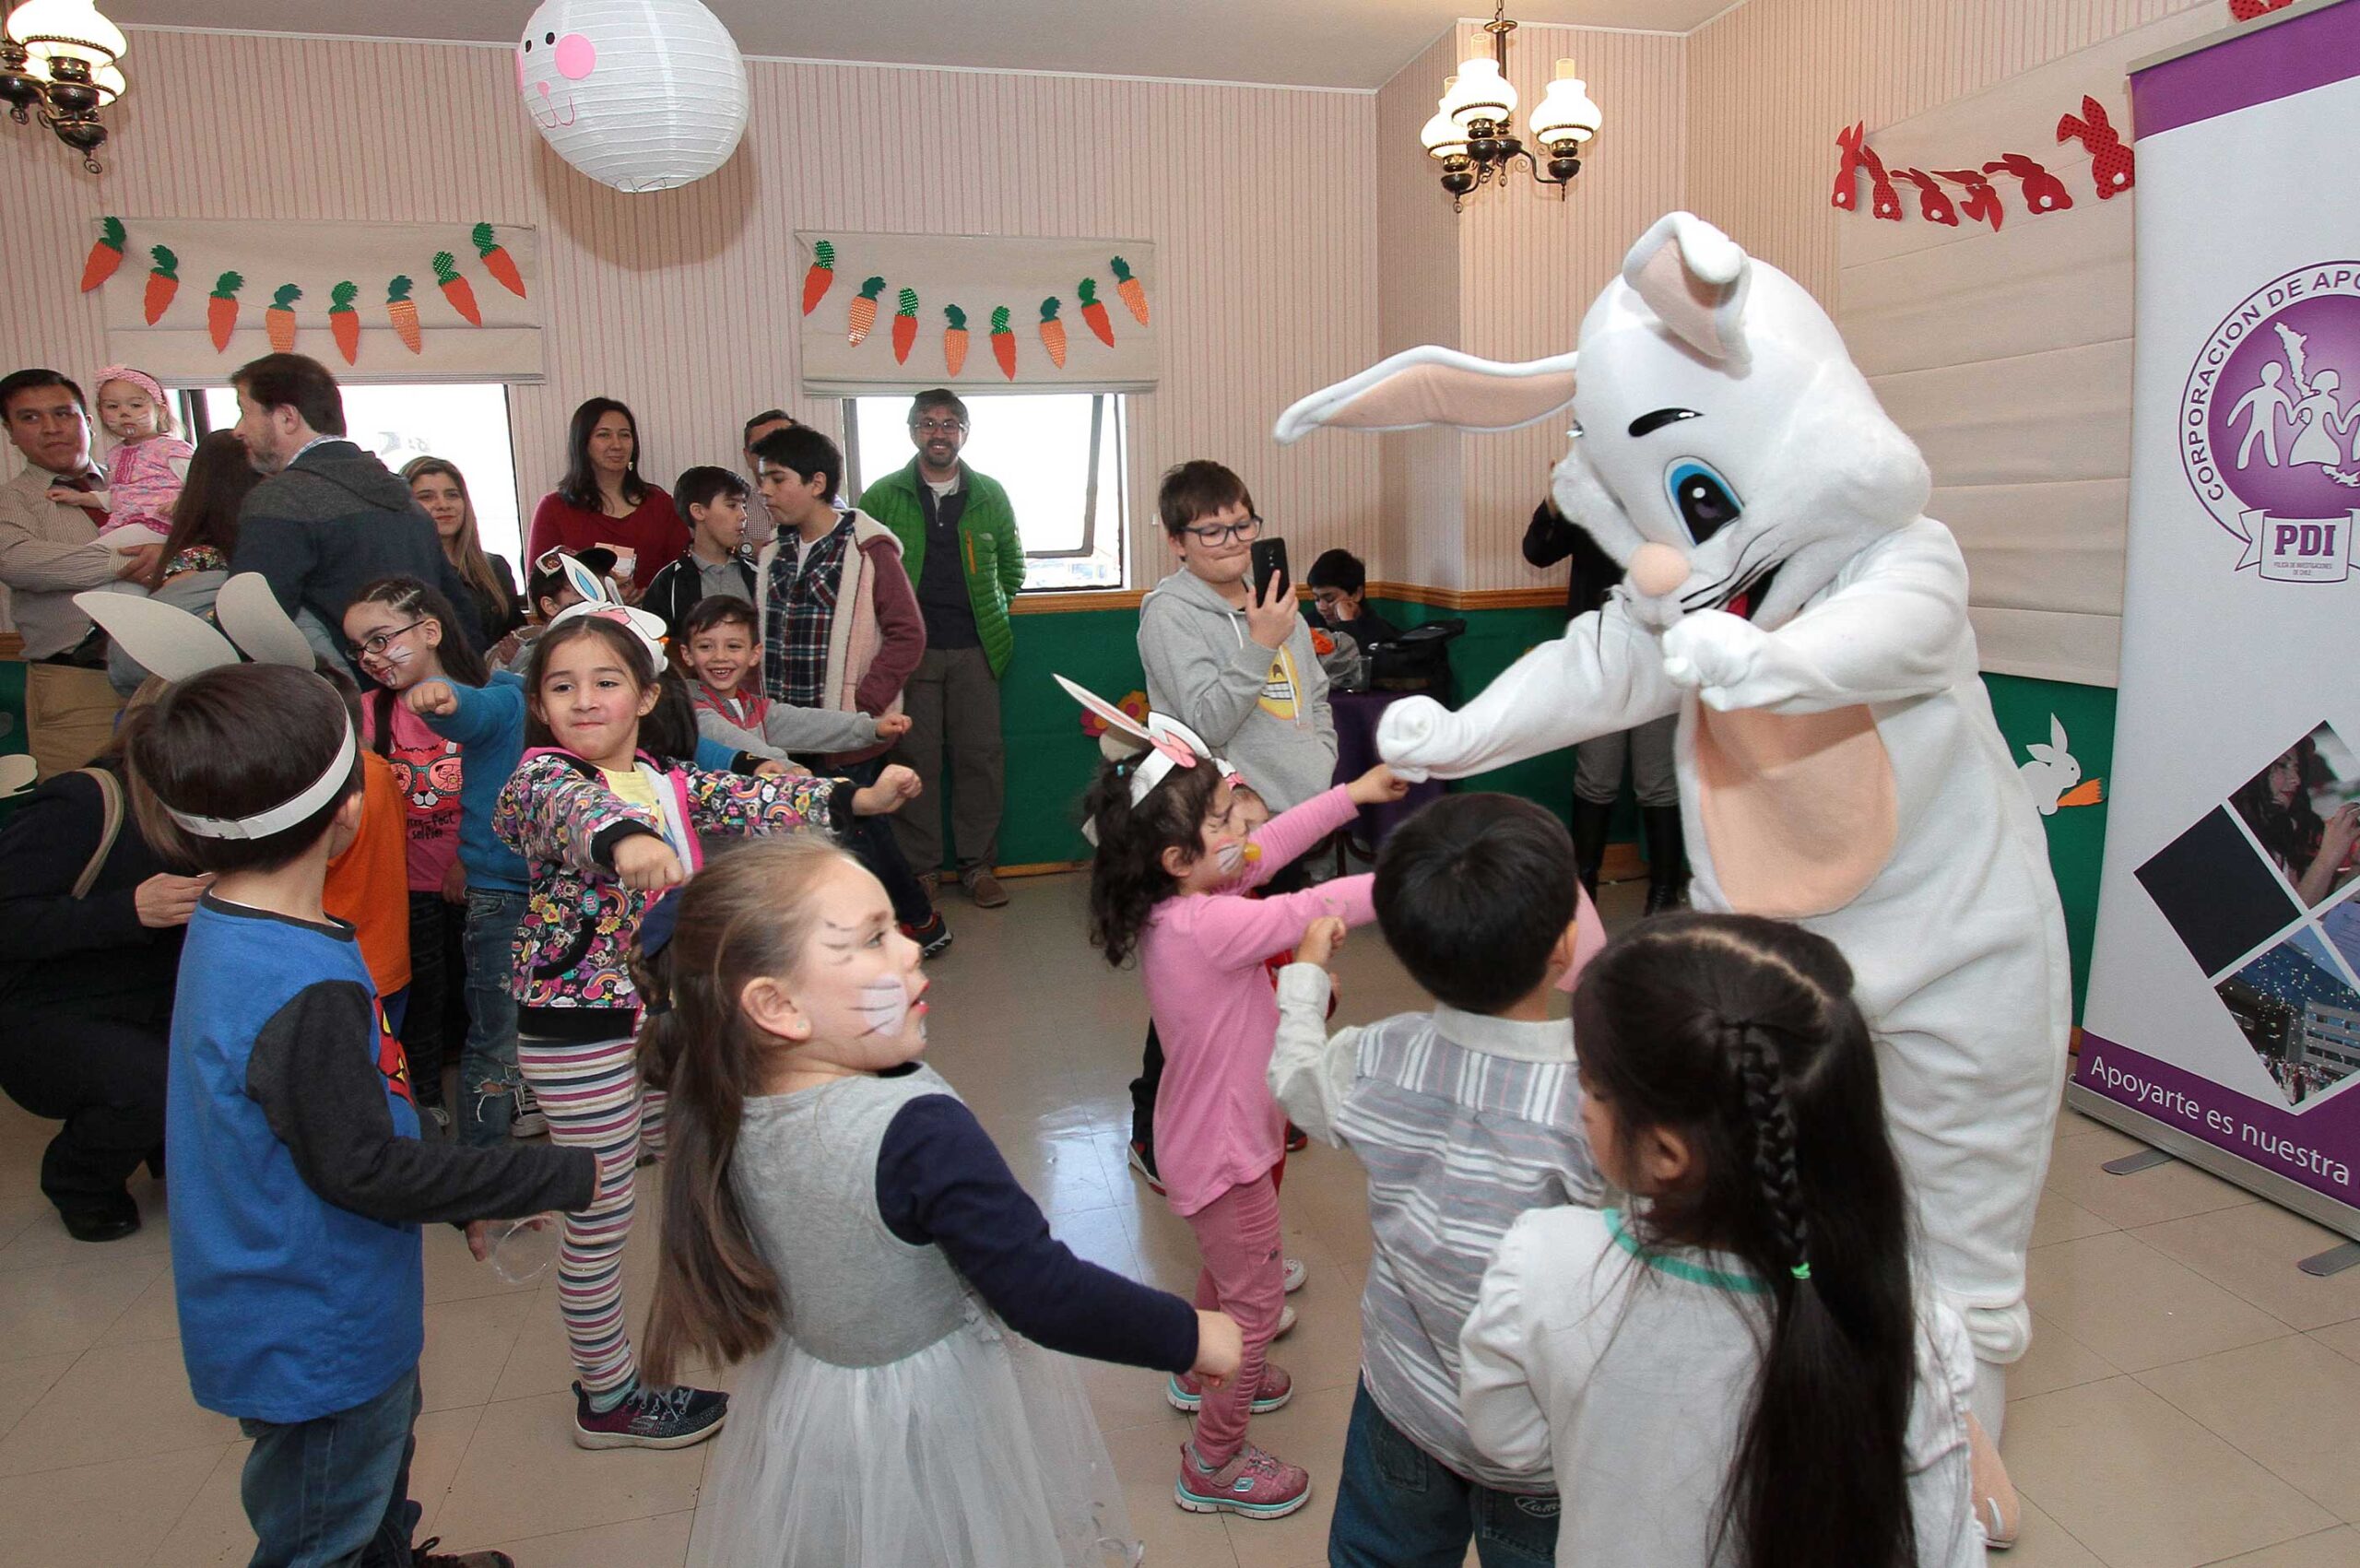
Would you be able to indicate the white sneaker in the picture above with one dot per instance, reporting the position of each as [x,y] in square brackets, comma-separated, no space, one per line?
[528,1122]
[1296,1275]
[1286,1322]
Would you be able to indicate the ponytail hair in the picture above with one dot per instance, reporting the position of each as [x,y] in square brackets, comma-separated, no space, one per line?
[746,916]
[1740,1034]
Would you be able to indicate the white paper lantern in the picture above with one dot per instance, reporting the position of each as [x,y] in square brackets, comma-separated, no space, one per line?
[642,95]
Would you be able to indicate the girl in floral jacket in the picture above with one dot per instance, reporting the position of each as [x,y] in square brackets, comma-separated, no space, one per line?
[605,827]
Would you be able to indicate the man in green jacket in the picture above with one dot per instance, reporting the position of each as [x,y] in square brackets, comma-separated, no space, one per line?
[959,548]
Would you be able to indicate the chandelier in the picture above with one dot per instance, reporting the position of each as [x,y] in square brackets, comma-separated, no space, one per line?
[58,60]
[1472,135]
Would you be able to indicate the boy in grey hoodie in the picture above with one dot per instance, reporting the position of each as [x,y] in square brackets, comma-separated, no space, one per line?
[1237,669]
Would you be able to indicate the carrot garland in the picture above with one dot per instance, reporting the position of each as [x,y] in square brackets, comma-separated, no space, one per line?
[1134,293]
[163,282]
[402,310]
[105,255]
[864,311]
[1094,313]
[1003,343]
[456,288]
[497,261]
[344,322]
[821,275]
[280,320]
[1053,333]
[954,339]
[221,308]
[906,326]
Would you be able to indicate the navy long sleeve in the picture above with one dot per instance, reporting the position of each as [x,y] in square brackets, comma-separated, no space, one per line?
[941,1181]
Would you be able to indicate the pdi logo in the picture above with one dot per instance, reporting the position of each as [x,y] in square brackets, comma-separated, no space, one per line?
[2269,424]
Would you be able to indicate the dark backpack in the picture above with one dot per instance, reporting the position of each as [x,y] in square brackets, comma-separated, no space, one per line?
[1417,661]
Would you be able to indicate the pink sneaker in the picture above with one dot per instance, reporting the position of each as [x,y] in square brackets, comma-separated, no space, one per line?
[1182,1391]
[1253,1483]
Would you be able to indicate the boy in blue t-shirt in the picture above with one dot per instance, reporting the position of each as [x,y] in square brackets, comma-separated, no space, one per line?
[298,1178]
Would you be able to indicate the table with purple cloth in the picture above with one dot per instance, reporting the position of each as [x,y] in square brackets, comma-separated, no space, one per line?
[1357,714]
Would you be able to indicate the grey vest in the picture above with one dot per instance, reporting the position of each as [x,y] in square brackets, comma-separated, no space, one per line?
[805,1173]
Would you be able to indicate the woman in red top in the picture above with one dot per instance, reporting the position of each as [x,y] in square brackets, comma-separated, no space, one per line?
[602,501]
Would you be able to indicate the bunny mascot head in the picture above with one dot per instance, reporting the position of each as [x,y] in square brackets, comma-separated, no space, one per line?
[1839,766]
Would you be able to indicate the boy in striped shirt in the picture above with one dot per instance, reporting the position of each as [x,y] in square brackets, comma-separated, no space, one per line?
[1464,1119]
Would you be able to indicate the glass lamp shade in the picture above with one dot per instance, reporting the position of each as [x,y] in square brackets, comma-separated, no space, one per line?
[110,84]
[1565,112]
[72,28]
[1441,138]
[1480,93]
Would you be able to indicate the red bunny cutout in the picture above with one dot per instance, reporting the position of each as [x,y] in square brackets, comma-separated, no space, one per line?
[1933,202]
[1982,203]
[1883,200]
[1848,171]
[2247,10]
[2112,165]
[2044,192]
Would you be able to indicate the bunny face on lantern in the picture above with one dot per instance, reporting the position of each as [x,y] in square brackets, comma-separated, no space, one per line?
[549,65]
[642,95]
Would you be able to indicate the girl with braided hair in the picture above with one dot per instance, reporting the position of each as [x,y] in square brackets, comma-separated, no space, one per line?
[1744,1369]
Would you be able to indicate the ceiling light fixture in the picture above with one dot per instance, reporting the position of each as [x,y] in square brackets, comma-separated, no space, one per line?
[1472,135]
[60,60]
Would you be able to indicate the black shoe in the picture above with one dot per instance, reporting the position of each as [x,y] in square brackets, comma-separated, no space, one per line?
[932,937]
[1590,823]
[1297,1139]
[1667,858]
[108,1219]
[423,1555]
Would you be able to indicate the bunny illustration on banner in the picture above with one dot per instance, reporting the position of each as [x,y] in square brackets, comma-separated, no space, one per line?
[2044,192]
[2053,776]
[1982,203]
[2114,166]
[1789,600]
[1883,200]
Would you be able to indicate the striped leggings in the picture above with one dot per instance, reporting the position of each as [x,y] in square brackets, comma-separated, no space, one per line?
[591,1092]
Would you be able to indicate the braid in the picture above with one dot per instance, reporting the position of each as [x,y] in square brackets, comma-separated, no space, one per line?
[1774,1139]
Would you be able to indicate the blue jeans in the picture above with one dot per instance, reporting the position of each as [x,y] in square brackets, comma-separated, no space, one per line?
[487,1076]
[334,1492]
[1397,1506]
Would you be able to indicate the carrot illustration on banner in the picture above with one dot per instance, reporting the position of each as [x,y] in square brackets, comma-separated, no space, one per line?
[954,339]
[163,282]
[1093,315]
[105,255]
[1133,291]
[280,320]
[864,311]
[1003,343]
[497,261]
[221,308]
[906,326]
[1053,333]
[402,310]
[344,322]
[821,277]
[455,288]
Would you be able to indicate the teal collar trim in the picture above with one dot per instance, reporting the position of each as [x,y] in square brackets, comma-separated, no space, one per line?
[1694,1273]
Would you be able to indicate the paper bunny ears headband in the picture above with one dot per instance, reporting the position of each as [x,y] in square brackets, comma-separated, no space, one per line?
[1170,744]
[173,644]
[595,601]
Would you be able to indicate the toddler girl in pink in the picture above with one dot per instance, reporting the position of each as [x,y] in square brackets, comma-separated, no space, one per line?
[1175,860]
[148,462]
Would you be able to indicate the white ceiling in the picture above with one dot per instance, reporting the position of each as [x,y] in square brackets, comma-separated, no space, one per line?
[1344,44]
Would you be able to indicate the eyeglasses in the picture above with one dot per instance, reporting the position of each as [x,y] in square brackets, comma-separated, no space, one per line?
[1248,529]
[377,643]
[938,427]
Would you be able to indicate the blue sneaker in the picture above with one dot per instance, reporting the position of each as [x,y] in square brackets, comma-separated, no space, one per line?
[650,1417]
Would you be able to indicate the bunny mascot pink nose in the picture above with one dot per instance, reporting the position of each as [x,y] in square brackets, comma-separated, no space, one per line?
[1657,570]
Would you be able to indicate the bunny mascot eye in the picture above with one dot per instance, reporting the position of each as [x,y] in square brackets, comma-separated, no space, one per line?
[1702,497]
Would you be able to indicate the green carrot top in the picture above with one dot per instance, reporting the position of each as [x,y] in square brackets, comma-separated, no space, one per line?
[398,290]
[485,243]
[1000,320]
[1122,269]
[167,264]
[110,233]
[226,287]
[1049,309]
[909,302]
[1087,289]
[284,298]
[874,287]
[340,298]
[958,317]
[446,268]
[823,255]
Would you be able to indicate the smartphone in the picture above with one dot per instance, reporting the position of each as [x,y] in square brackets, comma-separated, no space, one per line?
[1269,558]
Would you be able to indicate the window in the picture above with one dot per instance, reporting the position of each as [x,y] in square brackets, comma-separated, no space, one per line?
[466,424]
[1058,455]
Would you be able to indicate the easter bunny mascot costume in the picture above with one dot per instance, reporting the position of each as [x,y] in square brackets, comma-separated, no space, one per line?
[1838,761]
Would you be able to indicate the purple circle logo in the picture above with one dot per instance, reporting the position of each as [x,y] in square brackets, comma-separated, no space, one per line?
[2270,422]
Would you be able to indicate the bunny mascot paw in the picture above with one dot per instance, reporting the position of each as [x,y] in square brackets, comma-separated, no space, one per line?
[1714,653]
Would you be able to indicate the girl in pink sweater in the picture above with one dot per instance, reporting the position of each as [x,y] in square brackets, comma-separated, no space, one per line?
[1175,860]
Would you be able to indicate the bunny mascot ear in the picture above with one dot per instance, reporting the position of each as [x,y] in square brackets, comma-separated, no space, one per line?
[1695,279]
[1436,387]
[250,613]
[162,640]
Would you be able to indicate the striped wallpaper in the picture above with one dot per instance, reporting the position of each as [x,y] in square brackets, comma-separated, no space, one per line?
[679,302]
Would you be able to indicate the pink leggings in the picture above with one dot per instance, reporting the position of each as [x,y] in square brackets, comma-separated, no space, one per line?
[1237,1234]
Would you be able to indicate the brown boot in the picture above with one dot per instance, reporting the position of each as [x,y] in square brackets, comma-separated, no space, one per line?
[983,887]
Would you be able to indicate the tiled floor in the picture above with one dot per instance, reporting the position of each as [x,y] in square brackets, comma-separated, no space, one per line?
[2189,1398]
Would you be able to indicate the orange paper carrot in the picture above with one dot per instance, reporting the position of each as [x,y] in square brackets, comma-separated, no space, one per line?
[863,310]
[906,326]
[1003,343]
[821,277]
[280,320]
[1094,313]
[497,261]
[1133,293]
[954,339]
[1053,333]
[105,257]
[163,282]
[402,310]
[456,288]
[221,308]
[344,322]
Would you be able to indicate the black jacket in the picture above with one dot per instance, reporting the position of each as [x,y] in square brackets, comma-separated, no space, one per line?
[677,586]
[89,954]
[1548,539]
[334,522]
